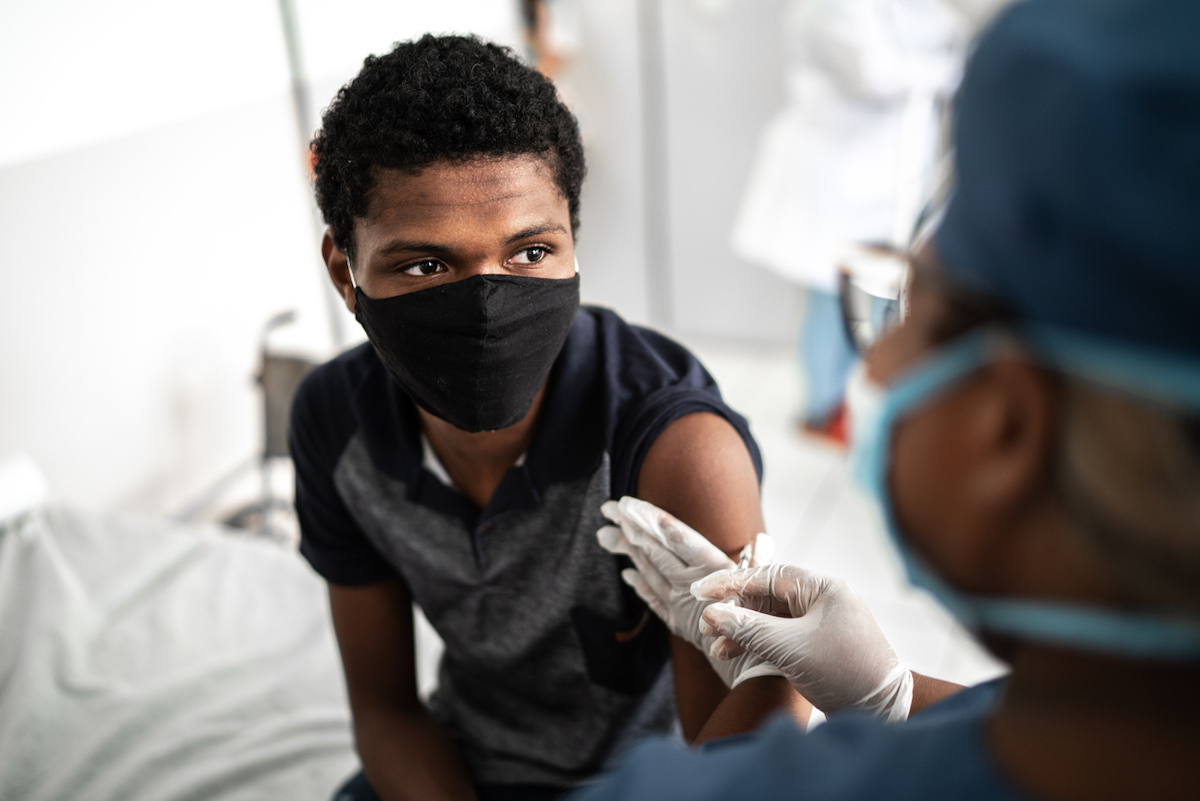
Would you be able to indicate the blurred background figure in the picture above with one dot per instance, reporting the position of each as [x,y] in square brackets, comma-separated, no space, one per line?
[849,158]
[551,34]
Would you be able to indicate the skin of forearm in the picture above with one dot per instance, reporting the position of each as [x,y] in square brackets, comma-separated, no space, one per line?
[928,690]
[698,690]
[748,706]
[408,755]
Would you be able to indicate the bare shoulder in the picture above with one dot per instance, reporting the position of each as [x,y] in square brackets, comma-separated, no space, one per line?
[700,470]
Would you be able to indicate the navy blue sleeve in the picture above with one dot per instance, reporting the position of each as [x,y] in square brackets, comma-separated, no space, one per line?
[754,766]
[656,382]
[330,539]
[850,758]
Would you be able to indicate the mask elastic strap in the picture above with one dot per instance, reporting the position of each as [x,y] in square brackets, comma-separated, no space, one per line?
[944,369]
[1150,373]
[1132,634]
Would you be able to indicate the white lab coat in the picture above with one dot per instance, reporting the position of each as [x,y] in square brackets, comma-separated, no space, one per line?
[850,156]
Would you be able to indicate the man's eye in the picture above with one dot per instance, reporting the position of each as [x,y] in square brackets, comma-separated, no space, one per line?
[530,255]
[427,267]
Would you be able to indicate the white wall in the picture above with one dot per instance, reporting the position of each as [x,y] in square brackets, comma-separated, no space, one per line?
[724,79]
[136,275]
[603,84]
[76,72]
[338,34]
[721,68]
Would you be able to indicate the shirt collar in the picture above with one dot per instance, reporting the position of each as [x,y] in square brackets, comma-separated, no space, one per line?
[567,445]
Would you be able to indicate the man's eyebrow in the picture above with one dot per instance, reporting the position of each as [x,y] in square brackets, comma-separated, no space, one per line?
[537,230]
[413,246]
[410,246]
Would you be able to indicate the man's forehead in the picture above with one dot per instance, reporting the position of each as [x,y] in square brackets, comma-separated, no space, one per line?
[478,180]
[450,202]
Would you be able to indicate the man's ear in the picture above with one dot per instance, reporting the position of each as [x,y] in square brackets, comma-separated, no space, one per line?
[339,269]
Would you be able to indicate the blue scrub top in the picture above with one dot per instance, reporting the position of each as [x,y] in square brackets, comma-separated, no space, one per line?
[939,753]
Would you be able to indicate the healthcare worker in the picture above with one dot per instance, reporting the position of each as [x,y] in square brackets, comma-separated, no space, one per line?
[1031,431]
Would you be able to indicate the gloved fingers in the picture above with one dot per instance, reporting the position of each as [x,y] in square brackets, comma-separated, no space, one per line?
[723,647]
[707,591]
[767,636]
[657,605]
[651,576]
[648,551]
[641,534]
[724,584]
[792,587]
[667,562]
[613,540]
[680,539]
[754,669]
[627,536]
[763,551]
[612,510]
[650,560]
[733,586]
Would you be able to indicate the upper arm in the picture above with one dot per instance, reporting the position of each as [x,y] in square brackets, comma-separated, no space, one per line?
[374,625]
[700,471]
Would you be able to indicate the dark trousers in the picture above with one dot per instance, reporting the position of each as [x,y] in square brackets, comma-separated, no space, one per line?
[359,789]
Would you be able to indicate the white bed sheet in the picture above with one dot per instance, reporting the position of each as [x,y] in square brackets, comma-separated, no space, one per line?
[142,660]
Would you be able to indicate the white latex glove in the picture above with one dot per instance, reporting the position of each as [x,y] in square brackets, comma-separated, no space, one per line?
[669,556]
[816,629]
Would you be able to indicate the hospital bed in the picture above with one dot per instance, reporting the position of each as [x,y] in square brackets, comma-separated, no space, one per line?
[144,660]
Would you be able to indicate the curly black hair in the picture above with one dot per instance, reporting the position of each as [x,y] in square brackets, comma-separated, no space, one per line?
[438,99]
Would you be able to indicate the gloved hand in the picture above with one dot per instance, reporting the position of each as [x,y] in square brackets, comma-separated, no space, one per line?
[669,556]
[816,629]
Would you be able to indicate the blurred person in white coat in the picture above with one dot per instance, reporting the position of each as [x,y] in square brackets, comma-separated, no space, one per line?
[848,158]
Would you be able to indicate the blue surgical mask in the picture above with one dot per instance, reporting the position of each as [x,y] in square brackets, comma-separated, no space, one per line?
[874,411]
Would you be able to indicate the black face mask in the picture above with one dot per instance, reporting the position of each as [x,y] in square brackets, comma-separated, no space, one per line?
[473,352]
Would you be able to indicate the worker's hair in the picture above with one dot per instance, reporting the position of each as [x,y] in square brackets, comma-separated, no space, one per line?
[438,99]
[1127,470]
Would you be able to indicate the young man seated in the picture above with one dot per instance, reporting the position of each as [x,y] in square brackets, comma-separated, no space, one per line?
[459,460]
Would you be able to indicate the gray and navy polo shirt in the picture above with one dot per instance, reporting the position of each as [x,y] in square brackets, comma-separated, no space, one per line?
[534,684]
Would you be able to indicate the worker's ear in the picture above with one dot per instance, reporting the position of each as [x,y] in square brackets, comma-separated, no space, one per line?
[969,473]
[339,269]
[1010,431]
[1015,429]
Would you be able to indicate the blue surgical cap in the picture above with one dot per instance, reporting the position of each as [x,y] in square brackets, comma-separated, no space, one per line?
[1077,147]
